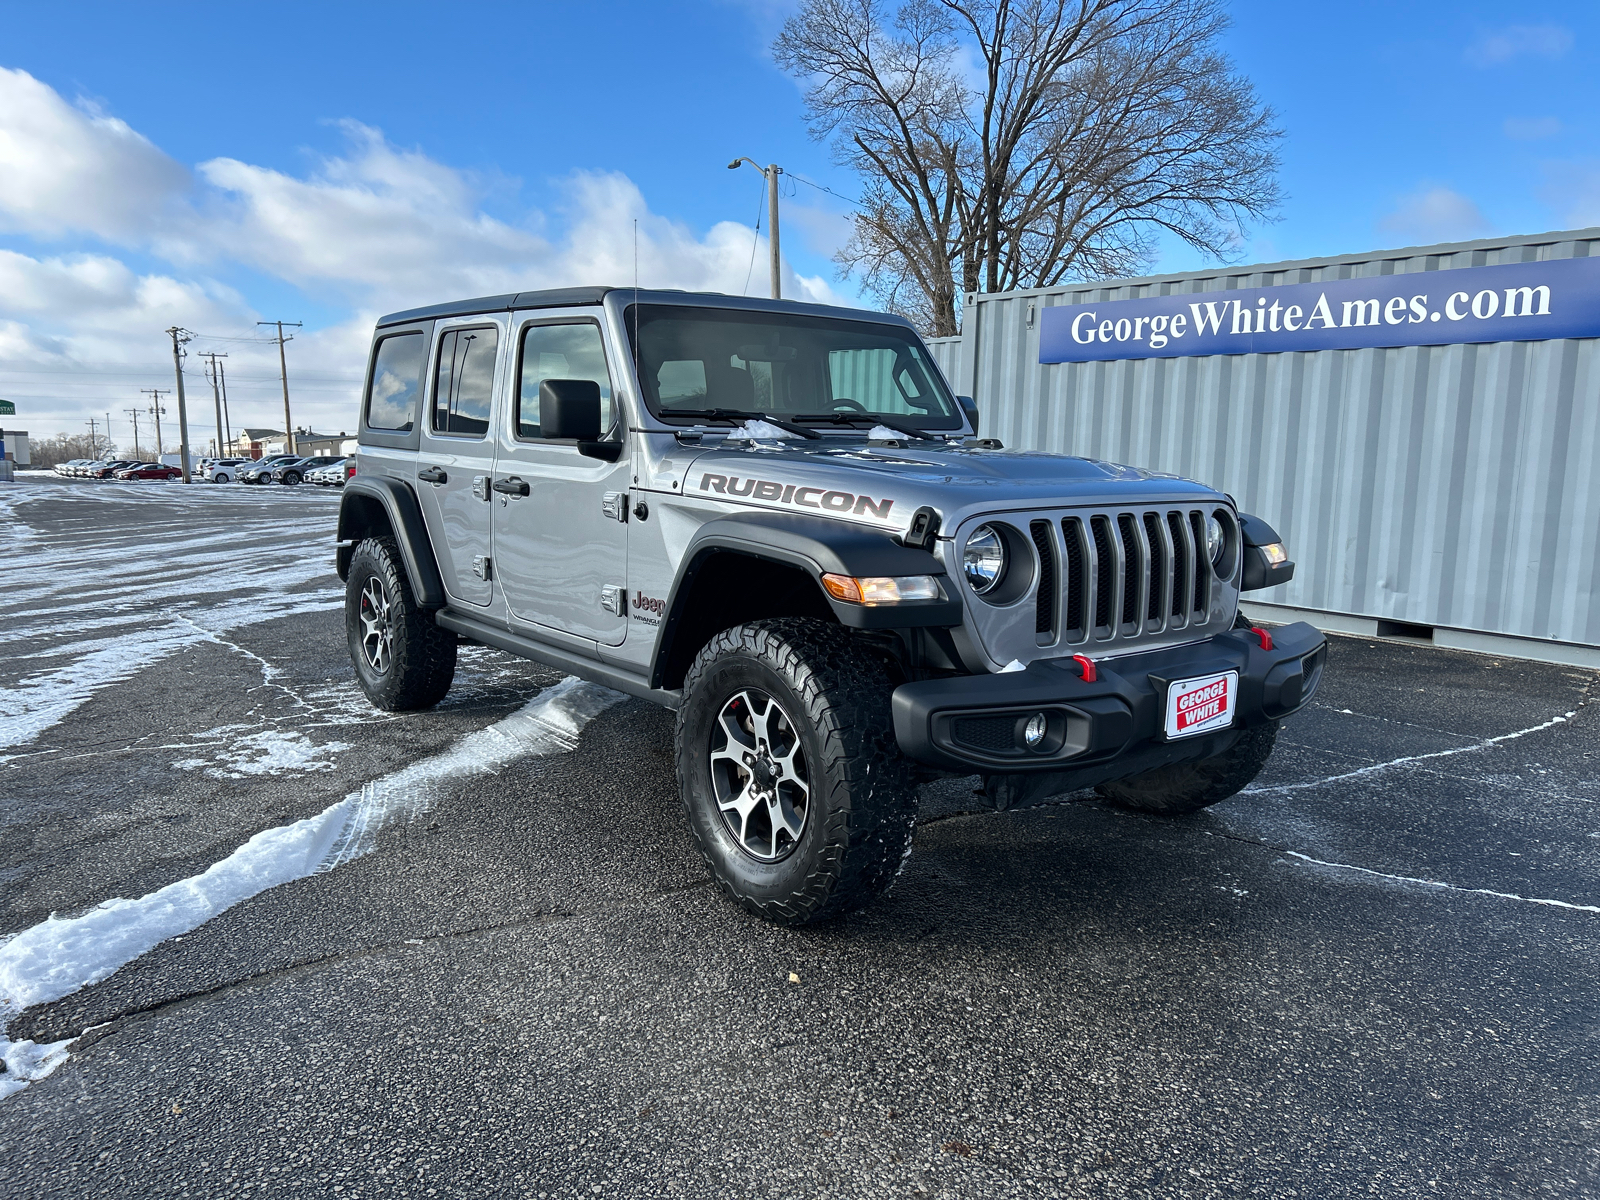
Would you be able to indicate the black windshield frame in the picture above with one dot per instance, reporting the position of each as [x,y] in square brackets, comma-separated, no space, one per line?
[704,338]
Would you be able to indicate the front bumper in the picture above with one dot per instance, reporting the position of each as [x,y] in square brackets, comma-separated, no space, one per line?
[1113,727]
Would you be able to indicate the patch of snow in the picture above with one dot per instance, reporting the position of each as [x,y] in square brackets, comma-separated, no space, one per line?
[268,752]
[882,433]
[1014,665]
[763,430]
[58,957]
[1449,887]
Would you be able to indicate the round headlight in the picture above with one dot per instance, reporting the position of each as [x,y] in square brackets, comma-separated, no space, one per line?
[1216,540]
[984,559]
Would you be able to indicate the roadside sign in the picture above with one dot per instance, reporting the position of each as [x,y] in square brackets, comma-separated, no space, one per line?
[7,409]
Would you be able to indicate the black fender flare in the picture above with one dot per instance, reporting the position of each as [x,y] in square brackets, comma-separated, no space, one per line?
[816,546]
[405,524]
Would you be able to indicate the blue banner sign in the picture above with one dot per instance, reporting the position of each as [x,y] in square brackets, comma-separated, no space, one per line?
[1516,302]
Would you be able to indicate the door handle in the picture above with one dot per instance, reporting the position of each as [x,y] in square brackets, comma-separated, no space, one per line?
[511,486]
[432,475]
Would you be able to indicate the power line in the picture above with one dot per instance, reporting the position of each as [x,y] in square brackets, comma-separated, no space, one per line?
[829,190]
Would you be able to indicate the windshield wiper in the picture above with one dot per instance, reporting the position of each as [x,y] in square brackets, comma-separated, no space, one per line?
[854,419]
[736,415]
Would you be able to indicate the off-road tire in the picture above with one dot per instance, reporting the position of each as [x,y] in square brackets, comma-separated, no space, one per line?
[861,814]
[422,655]
[1182,788]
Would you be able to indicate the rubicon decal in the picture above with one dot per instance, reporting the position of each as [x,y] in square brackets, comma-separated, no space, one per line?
[803,497]
[1200,705]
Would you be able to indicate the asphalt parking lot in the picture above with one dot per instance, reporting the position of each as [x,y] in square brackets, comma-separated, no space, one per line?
[1374,973]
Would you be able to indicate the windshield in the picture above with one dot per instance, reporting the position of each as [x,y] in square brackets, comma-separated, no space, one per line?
[793,367]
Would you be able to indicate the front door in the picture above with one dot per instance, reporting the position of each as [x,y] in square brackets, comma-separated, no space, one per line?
[562,546]
[455,463]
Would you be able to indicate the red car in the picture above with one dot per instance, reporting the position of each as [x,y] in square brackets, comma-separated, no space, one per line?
[150,471]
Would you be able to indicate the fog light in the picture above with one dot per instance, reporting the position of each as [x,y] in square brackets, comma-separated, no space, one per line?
[1033,732]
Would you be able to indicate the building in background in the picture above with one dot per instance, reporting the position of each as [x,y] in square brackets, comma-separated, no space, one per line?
[252,443]
[1421,425]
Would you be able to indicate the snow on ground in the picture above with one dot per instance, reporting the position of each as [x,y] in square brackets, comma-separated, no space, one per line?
[58,957]
[266,752]
[98,600]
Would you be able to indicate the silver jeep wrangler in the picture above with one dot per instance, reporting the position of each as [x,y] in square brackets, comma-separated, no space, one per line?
[776,519]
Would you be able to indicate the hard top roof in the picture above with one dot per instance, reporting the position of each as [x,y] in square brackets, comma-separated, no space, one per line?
[576,296]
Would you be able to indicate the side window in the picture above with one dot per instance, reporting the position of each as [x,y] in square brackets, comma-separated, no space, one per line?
[396,380]
[571,351]
[463,381]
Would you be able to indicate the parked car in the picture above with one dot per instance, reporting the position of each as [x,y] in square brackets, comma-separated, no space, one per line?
[105,470]
[225,470]
[776,519]
[292,473]
[330,474]
[150,471]
[65,468]
[260,471]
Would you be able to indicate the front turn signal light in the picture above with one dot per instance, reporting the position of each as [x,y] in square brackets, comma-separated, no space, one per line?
[1275,553]
[881,589]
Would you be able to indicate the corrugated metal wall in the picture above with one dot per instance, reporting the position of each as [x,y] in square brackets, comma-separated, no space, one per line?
[947,353]
[1443,485]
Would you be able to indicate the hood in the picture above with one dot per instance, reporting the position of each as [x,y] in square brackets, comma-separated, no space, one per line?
[885,485]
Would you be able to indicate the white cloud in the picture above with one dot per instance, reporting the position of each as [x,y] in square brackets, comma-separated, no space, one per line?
[1435,214]
[65,169]
[1531,129]
[375,229]
[1517,41]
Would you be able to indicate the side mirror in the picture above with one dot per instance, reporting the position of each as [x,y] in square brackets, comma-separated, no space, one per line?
[970,407]
[569,408]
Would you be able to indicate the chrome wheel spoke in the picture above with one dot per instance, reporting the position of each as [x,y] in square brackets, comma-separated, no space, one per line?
[758,775]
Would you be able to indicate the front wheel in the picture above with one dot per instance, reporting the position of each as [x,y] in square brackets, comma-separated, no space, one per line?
[403,659]
[1183,788]
[788,768]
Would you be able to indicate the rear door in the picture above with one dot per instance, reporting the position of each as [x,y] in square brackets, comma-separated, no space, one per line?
[563,546]
[455,460]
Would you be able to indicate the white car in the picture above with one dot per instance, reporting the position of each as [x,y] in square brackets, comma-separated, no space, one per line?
[224,470]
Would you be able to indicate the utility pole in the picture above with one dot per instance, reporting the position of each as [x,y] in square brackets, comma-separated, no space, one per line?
[283,370]
[156,410]
[216,392]
[134,413]
[179,338]
[227,425]
[94,441]
[108,435]
[770,173]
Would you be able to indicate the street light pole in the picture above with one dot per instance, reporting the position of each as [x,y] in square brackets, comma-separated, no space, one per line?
[770,173]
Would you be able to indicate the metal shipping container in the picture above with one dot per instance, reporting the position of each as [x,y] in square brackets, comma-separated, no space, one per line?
[1455,487]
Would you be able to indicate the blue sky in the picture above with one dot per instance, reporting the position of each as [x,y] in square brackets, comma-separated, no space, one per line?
[213,165]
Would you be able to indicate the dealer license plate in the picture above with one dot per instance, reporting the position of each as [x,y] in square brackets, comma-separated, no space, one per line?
[1201,705]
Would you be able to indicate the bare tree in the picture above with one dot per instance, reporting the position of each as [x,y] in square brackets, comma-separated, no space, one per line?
[1022,143]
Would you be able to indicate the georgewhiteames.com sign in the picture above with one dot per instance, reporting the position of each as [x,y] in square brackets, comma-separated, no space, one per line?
[1516,302]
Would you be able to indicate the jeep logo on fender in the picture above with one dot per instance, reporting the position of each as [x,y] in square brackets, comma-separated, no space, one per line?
[650,605]
[788,493]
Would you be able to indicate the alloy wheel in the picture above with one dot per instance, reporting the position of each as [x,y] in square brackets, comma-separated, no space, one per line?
[377,629]
[759,775]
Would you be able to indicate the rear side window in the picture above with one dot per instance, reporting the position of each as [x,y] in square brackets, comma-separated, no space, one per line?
[463,382]
[569,351]
[396,381]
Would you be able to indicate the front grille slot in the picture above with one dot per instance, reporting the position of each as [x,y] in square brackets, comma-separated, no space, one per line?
[1158,565]
[1202,564]
[1132,558]
[1044,612]
[1104,570]
[1181,556]
[1076,581]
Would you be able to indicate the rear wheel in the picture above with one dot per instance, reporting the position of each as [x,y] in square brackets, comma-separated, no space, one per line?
[220,477]
[788,768]
[291,478]
[1183,788]
[403,659]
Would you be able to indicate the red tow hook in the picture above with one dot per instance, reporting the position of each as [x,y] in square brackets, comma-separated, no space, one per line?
[1266,638]
[1086,666]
